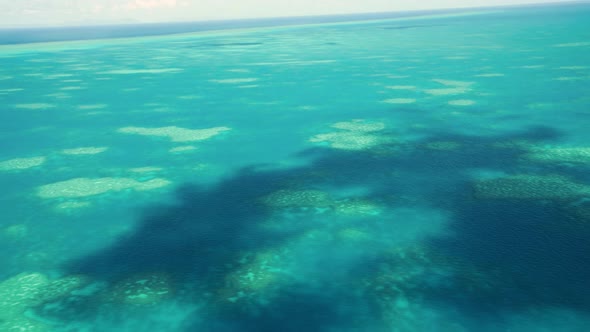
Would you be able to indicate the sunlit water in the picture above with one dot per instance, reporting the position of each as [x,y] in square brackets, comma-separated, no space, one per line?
[402,175]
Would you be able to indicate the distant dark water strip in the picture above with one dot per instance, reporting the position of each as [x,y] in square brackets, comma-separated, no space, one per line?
[53,34]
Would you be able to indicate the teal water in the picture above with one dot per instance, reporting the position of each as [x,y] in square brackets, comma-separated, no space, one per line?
[426,174]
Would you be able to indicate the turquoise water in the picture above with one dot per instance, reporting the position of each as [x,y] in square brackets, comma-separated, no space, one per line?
[422,174]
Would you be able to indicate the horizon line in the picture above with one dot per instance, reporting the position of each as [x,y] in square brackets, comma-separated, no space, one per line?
[131,22]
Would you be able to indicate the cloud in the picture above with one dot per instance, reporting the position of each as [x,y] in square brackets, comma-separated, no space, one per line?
[150,4]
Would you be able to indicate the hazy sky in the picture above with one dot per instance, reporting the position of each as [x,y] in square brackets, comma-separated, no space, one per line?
[65,12]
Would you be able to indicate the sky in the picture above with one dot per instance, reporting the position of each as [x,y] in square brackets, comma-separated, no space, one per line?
[83,12]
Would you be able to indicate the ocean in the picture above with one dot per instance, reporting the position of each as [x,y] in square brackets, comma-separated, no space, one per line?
[426,173]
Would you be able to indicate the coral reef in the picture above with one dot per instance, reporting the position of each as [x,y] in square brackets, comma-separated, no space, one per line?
[84,150]
[298,198]
[82,187]
[21,163]
[525,186]
[147,289]
[400,101]
[563,155]
[353,135]
[176,134]
[26,291]
[256,279]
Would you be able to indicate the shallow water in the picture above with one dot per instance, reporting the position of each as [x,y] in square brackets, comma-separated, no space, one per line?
[401,175]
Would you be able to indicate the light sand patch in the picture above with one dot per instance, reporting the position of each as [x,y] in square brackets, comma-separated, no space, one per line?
[359,126]
[490,75]
[239,70]
[235,80]
[59,95]
[295,62]
[67,206]
[72,88]
[84,150]
[92,107]
[34,106]
[577,44]
[84,187]
[400,101]
[569,78]
[21,163]
[573,67]
[190,97]
[447,91]
[141,71]
[452,83]
[458,57]
[147,169]
[186,148]
[56,76]
[462,102]
[401,87]
[176,134]
[307,108]
[11,90]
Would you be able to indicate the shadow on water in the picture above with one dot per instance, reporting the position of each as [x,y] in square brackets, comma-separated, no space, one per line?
[207,227]
[531,255]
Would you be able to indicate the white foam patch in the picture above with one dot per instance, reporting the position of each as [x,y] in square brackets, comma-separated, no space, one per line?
[532,66]
[400,101]
[234,80]
[141,71]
